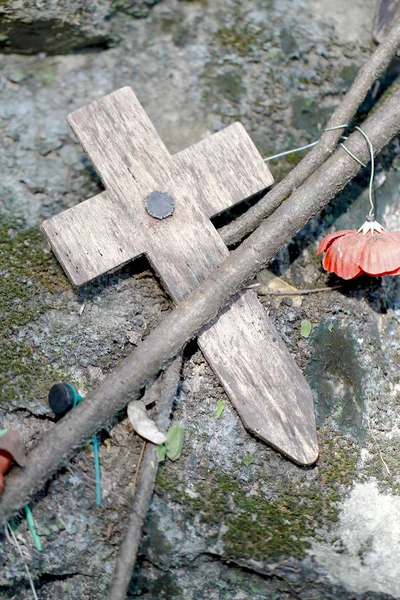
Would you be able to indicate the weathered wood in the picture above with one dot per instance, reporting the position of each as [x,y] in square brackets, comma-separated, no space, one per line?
[148,471]
[387,14]
[165,341]
[101,234]
[261,378]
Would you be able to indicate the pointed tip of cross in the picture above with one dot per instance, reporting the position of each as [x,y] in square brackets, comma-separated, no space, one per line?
[309,458]
[304,455]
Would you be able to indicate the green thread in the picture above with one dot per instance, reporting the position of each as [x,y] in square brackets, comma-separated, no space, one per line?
[32,528]
[95,442]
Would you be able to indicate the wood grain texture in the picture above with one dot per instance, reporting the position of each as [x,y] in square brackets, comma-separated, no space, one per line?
[387,14]
[101,234]
[261,378]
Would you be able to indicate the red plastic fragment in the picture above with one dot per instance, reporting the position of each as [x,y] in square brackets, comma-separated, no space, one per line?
[350,254]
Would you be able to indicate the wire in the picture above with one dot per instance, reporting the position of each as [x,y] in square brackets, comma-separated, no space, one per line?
[291,151]
[29,518]
[371,152]
[371,179]
[349,152]
[308,145]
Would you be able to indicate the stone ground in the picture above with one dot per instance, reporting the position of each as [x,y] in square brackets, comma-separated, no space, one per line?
[231,519]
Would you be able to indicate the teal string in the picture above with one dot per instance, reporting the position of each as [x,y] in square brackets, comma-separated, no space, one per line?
[95,442]
[32,529]
[77,397]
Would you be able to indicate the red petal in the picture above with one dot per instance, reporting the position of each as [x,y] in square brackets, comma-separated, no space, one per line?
[395,235]
[396,272]
[343,256]
[381,254]
[329,239]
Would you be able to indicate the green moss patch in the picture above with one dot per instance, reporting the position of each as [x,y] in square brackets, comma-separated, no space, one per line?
[27,272]
[259,527]
[243,41]
[382,463]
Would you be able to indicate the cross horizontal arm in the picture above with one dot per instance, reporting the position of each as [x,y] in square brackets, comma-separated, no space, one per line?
[227,166]
[91,238]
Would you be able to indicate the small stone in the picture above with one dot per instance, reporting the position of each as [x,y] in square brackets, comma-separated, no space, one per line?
[16,76]
[287,301]
[134,337]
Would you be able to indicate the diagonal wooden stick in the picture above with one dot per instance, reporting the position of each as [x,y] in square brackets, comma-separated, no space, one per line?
[148,471]
[373,68]
[185,321]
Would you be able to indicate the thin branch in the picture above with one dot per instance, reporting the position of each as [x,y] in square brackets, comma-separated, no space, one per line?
[142,451]
[369,72]
[127,553]
[298,292]
[189,317]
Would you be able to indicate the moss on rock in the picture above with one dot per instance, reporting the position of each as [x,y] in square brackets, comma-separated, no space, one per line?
[256,526]
[28,272]
[242,40]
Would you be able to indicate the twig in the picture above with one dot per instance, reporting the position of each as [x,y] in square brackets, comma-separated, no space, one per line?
[138,466]
[371,70]
[129,547]
[189,317]
[298,292]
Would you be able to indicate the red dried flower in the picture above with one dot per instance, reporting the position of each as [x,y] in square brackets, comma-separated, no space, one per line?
[371,250]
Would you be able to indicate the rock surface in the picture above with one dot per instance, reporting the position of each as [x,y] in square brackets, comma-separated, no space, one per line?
[59,27]
[231,519]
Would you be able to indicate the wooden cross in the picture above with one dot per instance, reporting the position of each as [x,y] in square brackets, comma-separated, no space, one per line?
[160,205]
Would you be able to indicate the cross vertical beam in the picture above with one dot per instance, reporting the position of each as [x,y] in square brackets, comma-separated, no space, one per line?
[241,345]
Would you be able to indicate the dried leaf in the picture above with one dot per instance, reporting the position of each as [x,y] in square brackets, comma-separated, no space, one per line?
[174,441]
[270,283]
[142,424]
[305,328]
[220,409]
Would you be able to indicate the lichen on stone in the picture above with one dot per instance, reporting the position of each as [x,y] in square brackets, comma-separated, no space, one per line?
[28,271]
[259,525]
